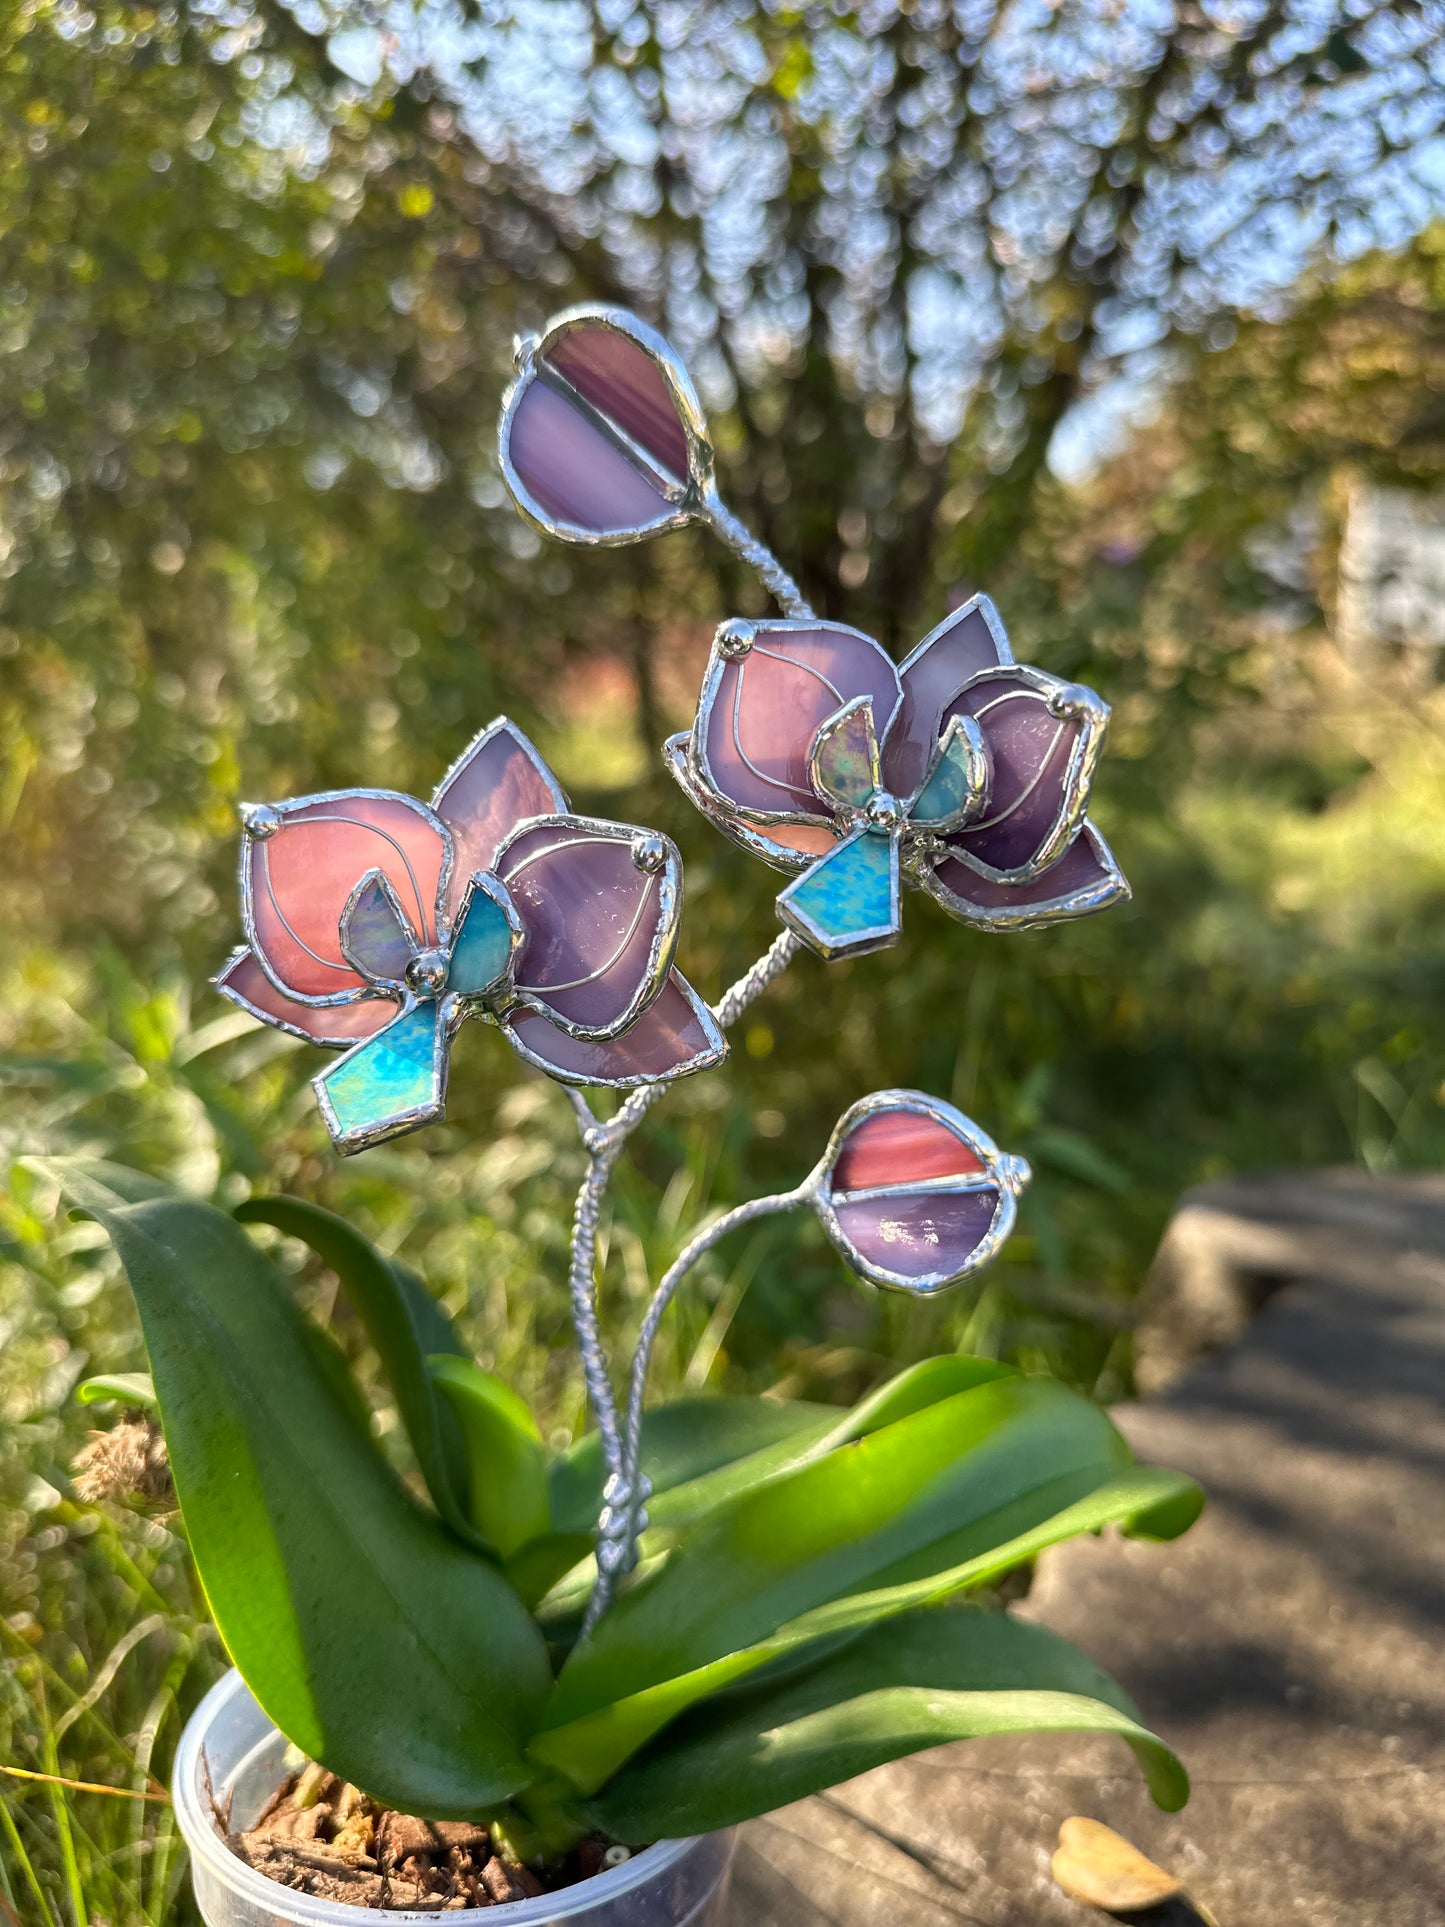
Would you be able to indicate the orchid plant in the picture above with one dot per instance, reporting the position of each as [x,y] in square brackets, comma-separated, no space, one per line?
[706,1608]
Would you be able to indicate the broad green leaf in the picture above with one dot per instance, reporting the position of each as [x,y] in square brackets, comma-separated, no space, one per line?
[700,1453]
[130,1388]
[913,1390]
[591,1748]
[507,1462]
[542,1564]
[974,1469]
[403,1322]
[950,1674]
[124,1184]
[682,1442]
[376,1641]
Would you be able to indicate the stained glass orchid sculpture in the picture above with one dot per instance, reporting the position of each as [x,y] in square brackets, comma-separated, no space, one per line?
[382,923]
[554,1661]
[961,772]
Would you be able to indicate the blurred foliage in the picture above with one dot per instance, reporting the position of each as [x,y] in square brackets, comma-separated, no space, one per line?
[255,320]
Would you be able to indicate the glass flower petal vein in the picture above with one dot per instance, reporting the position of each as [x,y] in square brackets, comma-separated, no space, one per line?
[381,923]
[961,772]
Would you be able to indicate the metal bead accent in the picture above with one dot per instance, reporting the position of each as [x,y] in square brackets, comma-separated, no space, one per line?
[735,637]
[260,820]
[884,812]
[1076,702]
[524,347]
[1014,1171]
[427,972]
[649,852]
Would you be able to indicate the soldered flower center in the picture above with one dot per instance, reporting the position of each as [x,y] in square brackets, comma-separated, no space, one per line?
[426,973]
[882,811]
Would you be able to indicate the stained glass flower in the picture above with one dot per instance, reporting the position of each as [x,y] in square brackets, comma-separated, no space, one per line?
[602,437]
[381,923]
[962,772]
[913,1194]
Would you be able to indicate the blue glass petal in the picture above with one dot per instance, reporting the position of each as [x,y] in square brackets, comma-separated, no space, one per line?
[848,901]
[390,1084]
[959,776]
[482,947]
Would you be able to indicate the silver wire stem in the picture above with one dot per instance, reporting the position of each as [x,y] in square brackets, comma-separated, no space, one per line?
[625,1492]
[759,558]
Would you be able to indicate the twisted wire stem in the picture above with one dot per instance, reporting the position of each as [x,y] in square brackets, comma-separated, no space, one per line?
[681,1265]
[763,563]
[623,1517]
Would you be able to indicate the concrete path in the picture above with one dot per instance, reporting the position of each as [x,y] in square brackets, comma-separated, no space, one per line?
[1291,1647]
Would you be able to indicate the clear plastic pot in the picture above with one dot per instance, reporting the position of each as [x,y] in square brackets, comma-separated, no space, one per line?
[677,1883]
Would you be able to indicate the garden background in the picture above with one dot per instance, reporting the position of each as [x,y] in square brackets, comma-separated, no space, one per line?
[1116,311]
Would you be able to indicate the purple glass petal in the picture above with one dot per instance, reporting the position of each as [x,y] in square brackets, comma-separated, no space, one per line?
[246,983]
[919,1234]
[901,1148]
[627,386]
[573,472]
[1084,878]
[497,781]
[674,1036]
[302,875]
[931,677]
[592,918]
[770,703]
[1034,775]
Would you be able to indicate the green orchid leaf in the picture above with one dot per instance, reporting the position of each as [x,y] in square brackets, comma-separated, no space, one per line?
[950,1674]
[375,1640]
[913,1390]
[970,1471]
[506,1459]
[591,1748]
[681,1443]
[405,1325]
[809,1437]
[127,1388]
[700,1453]
[539,1568]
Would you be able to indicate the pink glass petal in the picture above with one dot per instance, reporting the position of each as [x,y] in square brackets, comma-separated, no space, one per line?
[246,983]
[900,1148]
[497,781]
[626,386]
[591,917]
[301,877]
[791,681]
[1084,878]
[931,677]
[674,1036]
[805,839]
[919,1234]
[573,472]
[1031,753]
